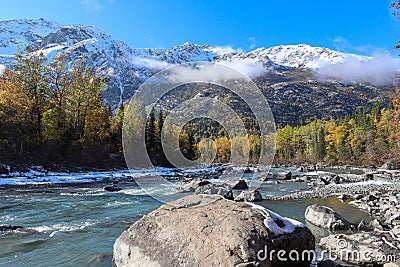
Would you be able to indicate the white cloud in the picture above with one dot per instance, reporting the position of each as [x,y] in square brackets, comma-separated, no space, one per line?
[217,72]
[220,50]
[378,70]
[247,66]
[252,42]
[341,43]
[92,5]
[153,64]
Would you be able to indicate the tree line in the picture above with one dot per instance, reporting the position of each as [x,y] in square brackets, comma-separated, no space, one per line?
[52,112]
[363,138]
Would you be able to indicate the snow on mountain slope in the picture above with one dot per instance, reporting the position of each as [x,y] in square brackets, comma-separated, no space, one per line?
[22,32]
[304,56]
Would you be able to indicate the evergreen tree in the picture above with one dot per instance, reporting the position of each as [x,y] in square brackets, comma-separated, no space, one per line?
[321,145]
[191,153]
[151,136]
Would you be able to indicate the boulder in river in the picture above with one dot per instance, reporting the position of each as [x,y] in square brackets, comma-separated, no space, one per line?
[227,194]
[8,227]
[192,185]
[200,230]
[249,196]
[112,188]
[326,217]
[235,184]
[276,176]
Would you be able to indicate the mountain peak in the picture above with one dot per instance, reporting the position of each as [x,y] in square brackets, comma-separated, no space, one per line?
[305,56]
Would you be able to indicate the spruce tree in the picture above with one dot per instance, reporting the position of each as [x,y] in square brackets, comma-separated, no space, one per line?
[321,145]
[151,136]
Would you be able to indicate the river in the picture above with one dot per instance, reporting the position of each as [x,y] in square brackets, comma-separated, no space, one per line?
[77,224]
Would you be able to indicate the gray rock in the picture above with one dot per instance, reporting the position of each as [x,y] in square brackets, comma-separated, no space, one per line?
[276,176]
[391,213]
[249,196]
[396,230]
[372,248]
[235,184]
[206,189]
[368,176]
[358,196]
[343,197]
[200,230]
[376,224]
[8,227]
[372,197]
[322,181]
[192,185]
[248,170]
[112,188]
[326,217]
[362,226]
[300,169]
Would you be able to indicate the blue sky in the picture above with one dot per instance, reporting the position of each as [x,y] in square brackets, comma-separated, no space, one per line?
[351,26]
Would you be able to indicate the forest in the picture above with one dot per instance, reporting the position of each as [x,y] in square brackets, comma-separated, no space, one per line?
[53,113]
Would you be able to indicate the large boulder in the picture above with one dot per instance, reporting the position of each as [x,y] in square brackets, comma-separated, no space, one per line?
[363,249]
[200,230]
[326,217]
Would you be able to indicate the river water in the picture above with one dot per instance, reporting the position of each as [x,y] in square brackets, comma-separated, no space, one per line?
[76,225]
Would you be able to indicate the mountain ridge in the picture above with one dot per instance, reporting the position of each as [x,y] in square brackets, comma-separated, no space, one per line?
[128,67]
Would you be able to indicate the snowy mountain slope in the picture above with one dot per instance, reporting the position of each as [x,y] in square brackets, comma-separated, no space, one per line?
[304,56]
[128,67]
[22,32]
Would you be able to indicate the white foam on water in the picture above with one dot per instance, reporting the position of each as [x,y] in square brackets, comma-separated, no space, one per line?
[118,203]
[64,227]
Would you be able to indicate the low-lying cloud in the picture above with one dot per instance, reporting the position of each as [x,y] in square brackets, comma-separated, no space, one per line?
[247,66]
[228,70]
[149,63]
[381,69]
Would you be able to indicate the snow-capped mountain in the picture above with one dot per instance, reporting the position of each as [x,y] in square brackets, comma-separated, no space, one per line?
[304,56]
[128,67]
[22,32]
